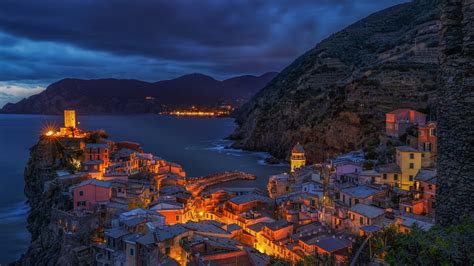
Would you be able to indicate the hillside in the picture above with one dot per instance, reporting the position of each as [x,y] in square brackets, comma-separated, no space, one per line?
[333,98]
[101,96]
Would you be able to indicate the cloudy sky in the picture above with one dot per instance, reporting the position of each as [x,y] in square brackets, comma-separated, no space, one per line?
[44,41]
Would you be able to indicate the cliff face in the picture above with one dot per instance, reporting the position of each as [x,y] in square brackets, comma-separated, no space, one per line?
[456,114]
[48,246]
[133,96]
[334,97]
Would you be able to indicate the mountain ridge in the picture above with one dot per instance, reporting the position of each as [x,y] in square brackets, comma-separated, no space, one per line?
[333,98]
[111,95]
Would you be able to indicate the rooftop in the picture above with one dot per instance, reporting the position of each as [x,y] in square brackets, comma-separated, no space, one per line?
[361,191]
[332,244]
[96,182]
[249,198]
[277,225]
[207,226]
[367,210]
[389,168]
[92,162]
[116,232]
[97,146]
[169,232]
[427,175]
[407,149]
[298,148]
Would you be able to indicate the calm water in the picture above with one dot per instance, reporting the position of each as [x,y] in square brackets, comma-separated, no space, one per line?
[195,143]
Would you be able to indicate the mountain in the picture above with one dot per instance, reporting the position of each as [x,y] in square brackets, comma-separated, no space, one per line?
[333,98]
[100,96]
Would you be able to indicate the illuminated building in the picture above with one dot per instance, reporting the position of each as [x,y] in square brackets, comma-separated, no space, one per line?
[427,143]
[69,118]
[298,158]
[398,121]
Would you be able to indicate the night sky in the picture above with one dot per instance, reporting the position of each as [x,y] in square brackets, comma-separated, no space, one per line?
[44,41]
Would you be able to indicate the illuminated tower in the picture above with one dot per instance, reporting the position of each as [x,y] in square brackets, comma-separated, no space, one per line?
[298,158]
[69,119]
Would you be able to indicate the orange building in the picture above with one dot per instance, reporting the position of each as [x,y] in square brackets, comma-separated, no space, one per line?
[398,121]
[427,142]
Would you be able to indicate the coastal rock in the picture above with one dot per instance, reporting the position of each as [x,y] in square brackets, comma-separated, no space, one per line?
[334,97]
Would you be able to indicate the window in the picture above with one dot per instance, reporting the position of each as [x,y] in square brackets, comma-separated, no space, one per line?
[78,203]
[412,156]
[356,201]
[408,209]
[177,217]
[384,176]
[395,177]
[81,193]
[132,251]
[433,132]
[410,178]
[412,165]
[361,220]
[430,187]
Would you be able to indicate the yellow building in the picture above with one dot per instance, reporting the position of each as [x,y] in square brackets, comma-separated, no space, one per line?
[298,158]
[402,173]
[409,161]
[69,119]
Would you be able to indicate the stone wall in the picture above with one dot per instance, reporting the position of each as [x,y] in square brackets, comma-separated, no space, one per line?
[455,186]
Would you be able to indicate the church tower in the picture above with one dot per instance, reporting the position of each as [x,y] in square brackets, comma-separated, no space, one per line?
[298,158]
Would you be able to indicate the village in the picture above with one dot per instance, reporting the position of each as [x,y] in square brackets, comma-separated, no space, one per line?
[129,207]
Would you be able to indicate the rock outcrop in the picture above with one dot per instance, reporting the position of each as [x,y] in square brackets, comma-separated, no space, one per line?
[456,114]
[48,246]
[334,97]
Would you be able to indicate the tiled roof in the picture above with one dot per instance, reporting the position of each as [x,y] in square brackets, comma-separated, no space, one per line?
[427,175]
[96,146]
[116,232]
[277,225]
[407,149]
[367,210]
[360,191]
[389,168]
[298,148]
[332,244]
[99,183]
[249,198]
[168,232]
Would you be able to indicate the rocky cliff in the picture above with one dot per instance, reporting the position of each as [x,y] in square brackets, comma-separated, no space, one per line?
[134,96]
[456,114]
[48,246]
[334,97]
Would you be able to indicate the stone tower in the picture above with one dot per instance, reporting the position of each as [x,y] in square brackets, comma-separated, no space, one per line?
[298,158]
[455,185]
[69,119]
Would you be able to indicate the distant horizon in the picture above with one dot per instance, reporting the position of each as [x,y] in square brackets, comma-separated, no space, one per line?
[35,92]
[44,42]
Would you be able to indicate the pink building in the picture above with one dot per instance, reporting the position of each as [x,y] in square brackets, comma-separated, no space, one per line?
[399,120]
[91,192]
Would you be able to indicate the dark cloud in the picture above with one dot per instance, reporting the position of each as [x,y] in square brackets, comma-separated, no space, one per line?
[151,40]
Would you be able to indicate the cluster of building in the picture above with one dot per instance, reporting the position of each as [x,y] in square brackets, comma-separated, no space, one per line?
[133,208]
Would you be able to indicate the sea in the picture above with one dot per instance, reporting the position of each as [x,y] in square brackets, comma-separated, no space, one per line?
[198,144]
